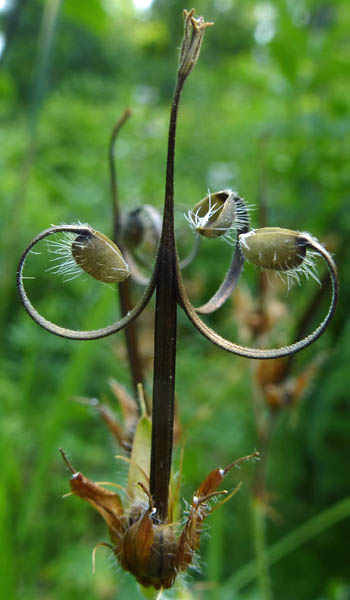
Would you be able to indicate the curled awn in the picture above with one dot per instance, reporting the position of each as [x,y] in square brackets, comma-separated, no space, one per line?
[82,231]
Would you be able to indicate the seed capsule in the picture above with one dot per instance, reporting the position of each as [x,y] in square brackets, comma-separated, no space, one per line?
[98,256]
[142,225]
[273,248]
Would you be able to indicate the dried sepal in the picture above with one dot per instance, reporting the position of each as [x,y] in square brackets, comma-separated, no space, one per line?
[123,428]
[107,503]
[253,317]
[194,29]
[200,509]
[115,427]
[148,551]
[129,411]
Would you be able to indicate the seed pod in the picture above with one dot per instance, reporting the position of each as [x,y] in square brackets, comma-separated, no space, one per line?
[98,256]
[141,225]
[218,215]
[273,248]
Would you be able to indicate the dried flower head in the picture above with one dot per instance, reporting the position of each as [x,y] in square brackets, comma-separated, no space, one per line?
[194,29]
[152,550]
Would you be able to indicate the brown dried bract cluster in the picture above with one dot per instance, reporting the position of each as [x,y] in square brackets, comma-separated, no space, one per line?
[152,551]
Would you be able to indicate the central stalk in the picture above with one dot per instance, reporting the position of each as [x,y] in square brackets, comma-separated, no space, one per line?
[165,337]
[166,296]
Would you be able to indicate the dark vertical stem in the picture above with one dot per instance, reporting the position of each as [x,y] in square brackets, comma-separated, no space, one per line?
[165,337]
[130,333]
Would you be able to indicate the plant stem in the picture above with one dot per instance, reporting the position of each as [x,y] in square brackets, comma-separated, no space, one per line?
[132,340]
[165,336]
[259,526]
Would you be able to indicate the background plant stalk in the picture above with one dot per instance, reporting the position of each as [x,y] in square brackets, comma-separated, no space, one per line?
[126,304]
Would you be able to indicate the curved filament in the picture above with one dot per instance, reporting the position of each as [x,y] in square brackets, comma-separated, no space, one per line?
[260,353]
[73,333]
[228,285]
[135,272]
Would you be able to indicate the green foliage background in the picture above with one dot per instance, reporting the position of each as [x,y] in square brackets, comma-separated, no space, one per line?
[265,111]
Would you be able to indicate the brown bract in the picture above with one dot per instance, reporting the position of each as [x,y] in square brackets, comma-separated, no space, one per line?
[154,553]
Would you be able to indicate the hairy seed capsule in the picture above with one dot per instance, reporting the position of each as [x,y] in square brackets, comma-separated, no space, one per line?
[218,215]
[141,225]
[98,256]
[215,214]
[273,248]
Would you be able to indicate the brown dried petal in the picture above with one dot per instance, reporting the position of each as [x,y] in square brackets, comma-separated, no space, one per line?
[107,503]
[148,551]
[135,550]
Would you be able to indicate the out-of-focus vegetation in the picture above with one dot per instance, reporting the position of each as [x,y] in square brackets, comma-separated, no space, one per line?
[265,112]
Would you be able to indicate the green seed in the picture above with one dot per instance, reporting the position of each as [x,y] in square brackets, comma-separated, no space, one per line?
[273,248]
[98,256]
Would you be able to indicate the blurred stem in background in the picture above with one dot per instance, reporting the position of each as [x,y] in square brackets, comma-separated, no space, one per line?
[45,49]
[124,288]
[289,543]
[274,390]
[263,421]
[259,538]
